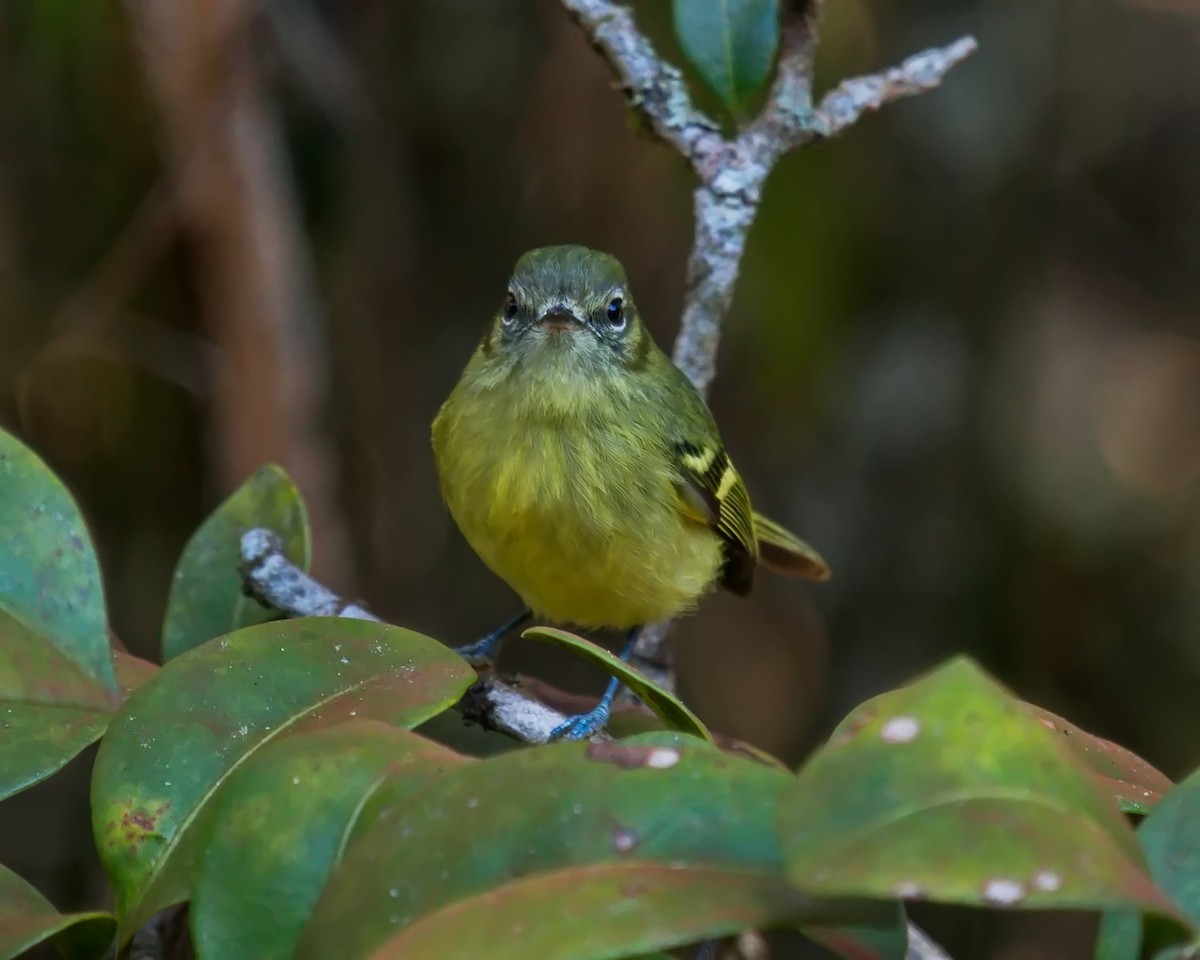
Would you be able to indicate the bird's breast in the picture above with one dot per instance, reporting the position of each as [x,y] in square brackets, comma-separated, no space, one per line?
[577,513]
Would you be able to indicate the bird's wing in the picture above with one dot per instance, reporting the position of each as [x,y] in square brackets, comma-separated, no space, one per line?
[711,492]
[782,551]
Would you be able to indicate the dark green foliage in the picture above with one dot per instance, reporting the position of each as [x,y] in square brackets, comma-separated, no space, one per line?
[183,733]
[270,776]
[731,43]
[58,686]
[206,594]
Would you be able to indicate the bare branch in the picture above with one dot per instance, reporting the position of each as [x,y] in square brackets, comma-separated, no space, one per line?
[732,172]
[271,579]
[790,101]
[653,87]
[850,99]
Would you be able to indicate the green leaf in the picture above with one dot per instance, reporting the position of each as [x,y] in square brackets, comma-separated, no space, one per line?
[179,736]
[947,790]
[58,687]
[1134,785]
[731,43]
[132,671]
[656,846]
[49,708]
[49,575]
[1171,841]
[666,706]
[279,825]
[27,919]
[206,598]
[1119,936]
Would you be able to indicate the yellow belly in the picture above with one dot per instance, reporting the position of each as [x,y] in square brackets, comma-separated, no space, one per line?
[589,535]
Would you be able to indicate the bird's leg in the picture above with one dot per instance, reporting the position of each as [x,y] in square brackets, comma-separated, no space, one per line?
[486,648]
[585,724]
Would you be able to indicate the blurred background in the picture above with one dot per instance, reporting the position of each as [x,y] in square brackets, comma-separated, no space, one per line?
[963,360]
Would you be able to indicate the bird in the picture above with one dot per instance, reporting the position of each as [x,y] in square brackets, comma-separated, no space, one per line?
[586,470]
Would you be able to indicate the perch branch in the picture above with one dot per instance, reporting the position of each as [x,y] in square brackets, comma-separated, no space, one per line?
[733,170]
[274,581]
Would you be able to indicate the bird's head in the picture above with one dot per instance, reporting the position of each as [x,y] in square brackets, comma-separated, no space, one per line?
[567,308]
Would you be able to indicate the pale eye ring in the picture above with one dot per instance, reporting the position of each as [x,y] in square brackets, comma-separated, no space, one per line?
[615,313]
[510,309]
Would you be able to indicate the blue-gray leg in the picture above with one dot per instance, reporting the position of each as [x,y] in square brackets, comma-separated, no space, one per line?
[585,724]
[486,648]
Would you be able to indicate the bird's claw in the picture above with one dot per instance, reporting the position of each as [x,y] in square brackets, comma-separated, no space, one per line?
[480,652]
[582,725]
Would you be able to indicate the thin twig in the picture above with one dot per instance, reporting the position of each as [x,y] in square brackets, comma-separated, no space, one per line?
[732,171]
[274,581]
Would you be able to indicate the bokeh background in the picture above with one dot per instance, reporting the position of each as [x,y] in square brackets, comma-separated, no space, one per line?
[963,360]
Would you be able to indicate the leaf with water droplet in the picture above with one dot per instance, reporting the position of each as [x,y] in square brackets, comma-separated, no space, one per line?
[654,854]
[206,598]
[269,847]
[1134,784]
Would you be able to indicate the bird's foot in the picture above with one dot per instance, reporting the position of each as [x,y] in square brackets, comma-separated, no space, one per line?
[485,649]
[583,725]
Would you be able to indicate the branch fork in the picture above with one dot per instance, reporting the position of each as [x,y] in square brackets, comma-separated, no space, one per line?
[733,170]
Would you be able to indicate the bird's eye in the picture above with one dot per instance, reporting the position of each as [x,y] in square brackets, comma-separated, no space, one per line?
[510,308]
[616,313]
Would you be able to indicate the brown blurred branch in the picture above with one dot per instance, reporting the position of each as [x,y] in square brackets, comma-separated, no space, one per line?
[733,170]
[235,204]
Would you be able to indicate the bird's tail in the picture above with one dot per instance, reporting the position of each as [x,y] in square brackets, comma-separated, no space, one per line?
[782,551]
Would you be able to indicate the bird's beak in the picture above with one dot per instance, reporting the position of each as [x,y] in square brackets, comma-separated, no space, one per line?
[559,318]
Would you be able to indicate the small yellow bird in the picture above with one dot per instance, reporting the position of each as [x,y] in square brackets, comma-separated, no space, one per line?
[586,470]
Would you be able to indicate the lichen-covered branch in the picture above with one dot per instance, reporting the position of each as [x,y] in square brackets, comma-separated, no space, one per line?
[733,170]
[274,581]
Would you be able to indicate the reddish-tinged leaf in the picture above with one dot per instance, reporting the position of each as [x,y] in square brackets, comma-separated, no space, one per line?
[1134,785]
[27,919]
[862,943]
[180,735]
[57,685]
[948,790]
[132,671]
[592,913]
[49,708]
